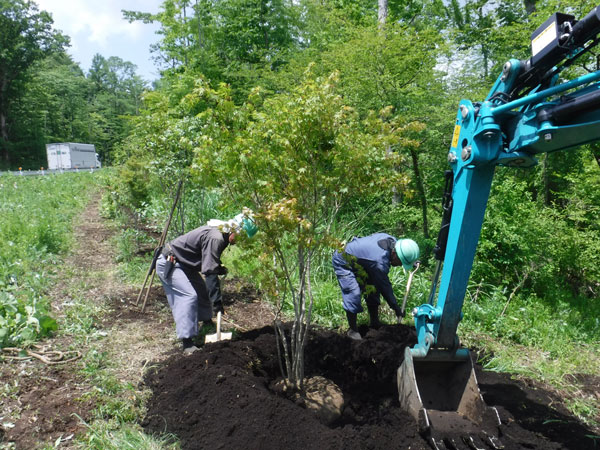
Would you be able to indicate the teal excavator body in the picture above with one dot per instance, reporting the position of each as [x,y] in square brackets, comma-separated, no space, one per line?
[529,110]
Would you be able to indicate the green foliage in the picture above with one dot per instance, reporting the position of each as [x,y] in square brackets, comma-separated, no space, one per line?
[252,31]
[295,159]
[114,97]
[535,278]
[395,68]
[34,230]
[45,96]
[231,41]
[537,255]
[23,321]
[128,243]
[27,36]
[487,34]
[135,181]
[59,104]
[310,152]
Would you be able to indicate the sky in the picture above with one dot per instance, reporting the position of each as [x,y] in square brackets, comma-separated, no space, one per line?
[97,26]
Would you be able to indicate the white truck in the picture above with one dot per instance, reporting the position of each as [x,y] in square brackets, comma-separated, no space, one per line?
[70,155]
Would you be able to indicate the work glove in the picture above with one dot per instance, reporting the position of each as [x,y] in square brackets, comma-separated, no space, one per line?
[221,270]
[218,308]
[397,311]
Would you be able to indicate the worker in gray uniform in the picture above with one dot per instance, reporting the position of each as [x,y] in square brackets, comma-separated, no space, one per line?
[194,297]
[363,268]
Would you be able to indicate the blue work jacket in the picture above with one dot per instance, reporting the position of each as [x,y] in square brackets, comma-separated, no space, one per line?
[373,254]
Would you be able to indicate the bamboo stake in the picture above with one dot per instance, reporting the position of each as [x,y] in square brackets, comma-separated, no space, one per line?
[161,242]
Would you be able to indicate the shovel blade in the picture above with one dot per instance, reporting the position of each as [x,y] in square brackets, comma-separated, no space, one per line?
[441,392]
[216,338]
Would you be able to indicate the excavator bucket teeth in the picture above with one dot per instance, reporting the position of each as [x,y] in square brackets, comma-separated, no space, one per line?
[441,392]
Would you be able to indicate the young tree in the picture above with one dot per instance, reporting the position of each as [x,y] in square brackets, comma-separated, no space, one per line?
[296,160]
[26,36]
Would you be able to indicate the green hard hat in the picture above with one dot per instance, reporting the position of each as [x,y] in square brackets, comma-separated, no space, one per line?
[408,252]
[249,226]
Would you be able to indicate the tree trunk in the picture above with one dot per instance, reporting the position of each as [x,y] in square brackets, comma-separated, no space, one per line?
[3,144]
[264,28]
[546,180]
[595,148]
[421,189]
[530,6]
[484,52]
[382,12]
[297,343]
[3,125]
[185,37]
[198,17]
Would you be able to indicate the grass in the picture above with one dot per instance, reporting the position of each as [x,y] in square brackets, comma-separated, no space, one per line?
[36,215]
[127,436]
[119,401]
[118,404]
[35,246]
[537,340]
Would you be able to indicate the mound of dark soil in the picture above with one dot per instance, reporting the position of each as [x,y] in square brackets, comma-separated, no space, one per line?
[224,396]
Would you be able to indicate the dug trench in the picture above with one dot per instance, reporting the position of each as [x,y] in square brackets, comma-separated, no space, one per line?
[228,395]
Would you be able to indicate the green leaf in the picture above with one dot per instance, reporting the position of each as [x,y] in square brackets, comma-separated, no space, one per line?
[48,324]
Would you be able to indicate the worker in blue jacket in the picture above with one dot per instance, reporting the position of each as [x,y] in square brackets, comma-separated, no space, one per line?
[363,268]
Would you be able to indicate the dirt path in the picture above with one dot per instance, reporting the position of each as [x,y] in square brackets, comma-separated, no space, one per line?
[44,404]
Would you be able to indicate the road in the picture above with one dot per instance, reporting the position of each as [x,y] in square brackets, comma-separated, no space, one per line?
[45,171]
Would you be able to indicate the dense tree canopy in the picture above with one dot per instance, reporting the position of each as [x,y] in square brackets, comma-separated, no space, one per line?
[427,55]
[45,96]
[26,36]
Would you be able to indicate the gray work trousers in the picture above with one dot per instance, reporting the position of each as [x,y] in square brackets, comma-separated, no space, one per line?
[187,296]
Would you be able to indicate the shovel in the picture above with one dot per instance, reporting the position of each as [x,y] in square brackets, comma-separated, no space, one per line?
[410,277]
[218,336]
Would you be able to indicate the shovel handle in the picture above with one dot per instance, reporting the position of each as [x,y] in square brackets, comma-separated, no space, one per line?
[219,326]
[408,283]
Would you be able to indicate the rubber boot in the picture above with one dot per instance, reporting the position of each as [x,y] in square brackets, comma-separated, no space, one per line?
[353,331]
[374,316]
[188,346]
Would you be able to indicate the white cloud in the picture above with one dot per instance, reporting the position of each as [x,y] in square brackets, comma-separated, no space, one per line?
[98,26]
[98,20]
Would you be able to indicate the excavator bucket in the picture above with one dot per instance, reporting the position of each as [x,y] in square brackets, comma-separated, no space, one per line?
[441,392]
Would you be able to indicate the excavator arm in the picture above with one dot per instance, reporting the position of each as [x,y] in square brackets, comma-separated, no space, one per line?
[528,111]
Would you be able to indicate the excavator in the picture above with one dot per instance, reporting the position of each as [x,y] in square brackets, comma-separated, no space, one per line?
[539,105]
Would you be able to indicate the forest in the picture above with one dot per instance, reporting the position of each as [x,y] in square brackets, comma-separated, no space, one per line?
[328,119]
[46,97]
